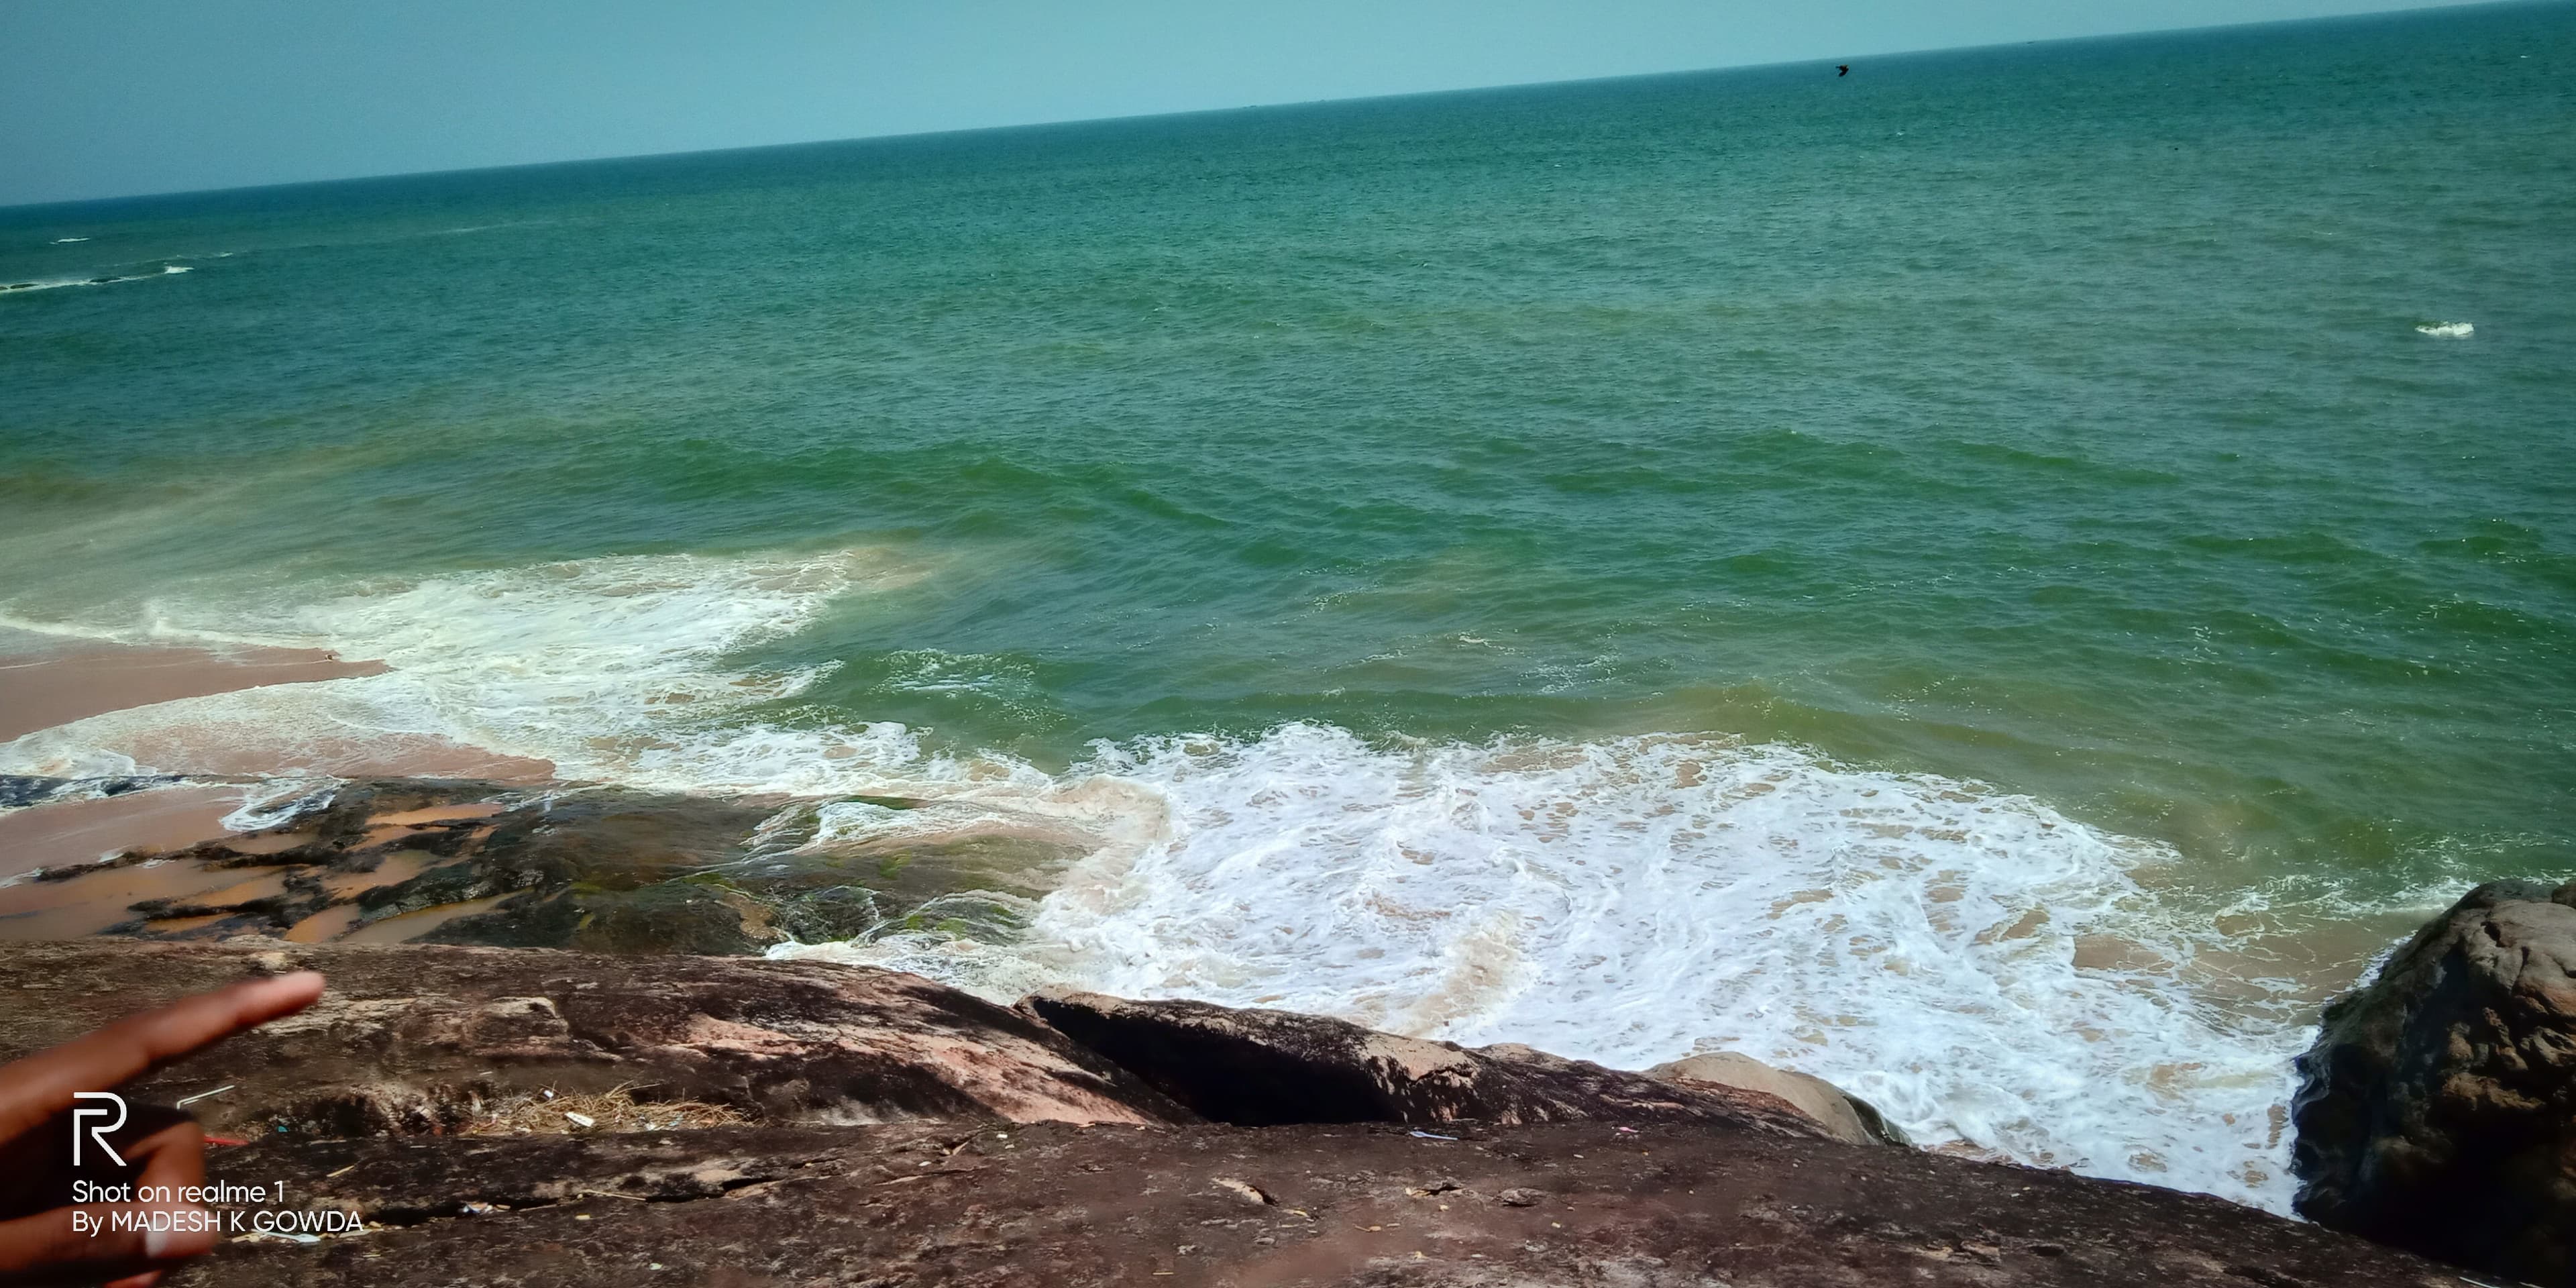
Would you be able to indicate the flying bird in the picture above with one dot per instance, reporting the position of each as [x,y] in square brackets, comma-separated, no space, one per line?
[1846,69]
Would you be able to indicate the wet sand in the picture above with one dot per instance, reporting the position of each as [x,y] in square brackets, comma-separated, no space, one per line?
[238,751]
[201,895]
[70,832]
[46,681]
[412,925]
[90,903]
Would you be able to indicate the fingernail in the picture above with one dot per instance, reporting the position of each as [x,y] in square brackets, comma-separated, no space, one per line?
[191,1232]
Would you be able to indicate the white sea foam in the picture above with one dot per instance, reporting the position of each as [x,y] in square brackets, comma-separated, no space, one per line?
[1634,900]
[66,241]
[614,669]
[2447,330]
[53,283]
[1983,968]
[281,802]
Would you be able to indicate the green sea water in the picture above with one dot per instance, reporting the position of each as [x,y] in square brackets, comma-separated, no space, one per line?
[2128,479]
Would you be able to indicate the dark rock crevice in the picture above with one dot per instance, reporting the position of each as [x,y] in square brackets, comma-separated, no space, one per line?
[1229,1075]
[1259,1068]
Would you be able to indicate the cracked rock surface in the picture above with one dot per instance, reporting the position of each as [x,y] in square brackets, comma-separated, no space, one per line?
[1679,1204]
[416,1038]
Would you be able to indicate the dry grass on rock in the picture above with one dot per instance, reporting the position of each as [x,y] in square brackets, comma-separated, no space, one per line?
[613,1110]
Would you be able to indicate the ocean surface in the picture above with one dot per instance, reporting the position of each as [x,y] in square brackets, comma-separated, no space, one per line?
[2000,579]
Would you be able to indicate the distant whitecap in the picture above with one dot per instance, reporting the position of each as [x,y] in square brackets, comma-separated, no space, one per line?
[50,283]
[2447,330]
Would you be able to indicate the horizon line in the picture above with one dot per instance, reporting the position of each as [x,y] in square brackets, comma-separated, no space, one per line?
[1067,122]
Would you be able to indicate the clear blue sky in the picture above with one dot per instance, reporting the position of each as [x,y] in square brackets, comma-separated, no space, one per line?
[115,97]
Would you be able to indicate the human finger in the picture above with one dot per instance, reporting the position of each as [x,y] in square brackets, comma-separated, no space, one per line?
[43,1084]
[174,1159]
[99,1241]
[174,1162]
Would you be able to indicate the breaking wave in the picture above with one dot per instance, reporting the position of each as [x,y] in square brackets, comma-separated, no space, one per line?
[1995,975]
[1985,970]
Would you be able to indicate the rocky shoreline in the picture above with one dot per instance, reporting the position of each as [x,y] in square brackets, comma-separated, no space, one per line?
[895,1131]
[551,1053]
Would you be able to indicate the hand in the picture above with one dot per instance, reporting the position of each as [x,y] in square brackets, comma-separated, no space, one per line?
[39,1242]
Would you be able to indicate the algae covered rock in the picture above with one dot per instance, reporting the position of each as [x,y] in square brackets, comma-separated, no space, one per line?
[586,867]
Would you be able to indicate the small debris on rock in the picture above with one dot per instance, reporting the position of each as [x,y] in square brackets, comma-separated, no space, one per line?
[1518,1197]
[185,1101]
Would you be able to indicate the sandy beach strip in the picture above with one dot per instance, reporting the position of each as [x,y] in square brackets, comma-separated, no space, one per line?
[45,681]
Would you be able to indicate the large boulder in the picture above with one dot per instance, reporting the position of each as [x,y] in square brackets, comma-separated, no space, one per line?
[1847,1116]
[1260,1068]
[2437,1110]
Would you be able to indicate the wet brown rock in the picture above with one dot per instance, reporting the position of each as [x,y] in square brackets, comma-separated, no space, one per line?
[1256,1068]
[1666,1205]
[2437,1109]
[423,1038]
[599,869]
[1847,1116]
